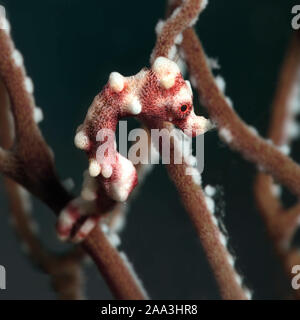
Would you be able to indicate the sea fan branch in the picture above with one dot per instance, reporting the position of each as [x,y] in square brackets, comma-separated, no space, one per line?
[188,186]
[30,163]
[282,222]
[231,128]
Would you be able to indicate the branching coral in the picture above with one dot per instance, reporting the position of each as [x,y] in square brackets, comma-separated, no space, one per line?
[30,163]
[65,270]
[282,222]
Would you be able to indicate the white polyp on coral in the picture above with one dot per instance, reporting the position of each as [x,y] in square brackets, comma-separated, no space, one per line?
[210,190]
[238,279]
[269,141]
[229,102]
[159,26]
[116,81]
[104,227]
[133,273]
[94,168]
[38,115]
[223,239]
[225,134]
[182,66]
[253,130]
[195,174]
[220,82]
[114,239]
[285,149]
[69,184]
[248,294]
[17,58]
[175,13]
[231,259]
[214,219]
[193,21]
[172,52]
[134,106]
[294,101]
[190,160]
[210,204]
[81,140]
[4,23]
[28,85]
[204,4]
[193,81]
[178,39]
[213,63]
[292,129]
[276,190]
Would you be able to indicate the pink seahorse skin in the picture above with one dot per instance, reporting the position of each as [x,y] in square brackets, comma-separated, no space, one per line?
[153,95]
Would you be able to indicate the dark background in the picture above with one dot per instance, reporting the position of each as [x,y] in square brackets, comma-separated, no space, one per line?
[70,47]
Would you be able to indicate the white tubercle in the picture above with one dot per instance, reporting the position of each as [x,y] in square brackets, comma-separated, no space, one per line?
[166,70]
[94,168]
[106,171]
[134,106]
[66,218]
[28,85]
[17,57]
[81,140]
[116,81]
[38,115]
[121,188]
[168,81]
[84,230]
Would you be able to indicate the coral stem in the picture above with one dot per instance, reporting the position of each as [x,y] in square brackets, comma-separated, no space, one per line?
[251,146]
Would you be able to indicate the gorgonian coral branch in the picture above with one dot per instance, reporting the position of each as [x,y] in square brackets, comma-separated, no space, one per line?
[30,163]
[188,182]
[231,128]
[170,32]
[64,270]
[282,222]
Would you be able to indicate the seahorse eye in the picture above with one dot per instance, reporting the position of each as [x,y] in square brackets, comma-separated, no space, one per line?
[184,108]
